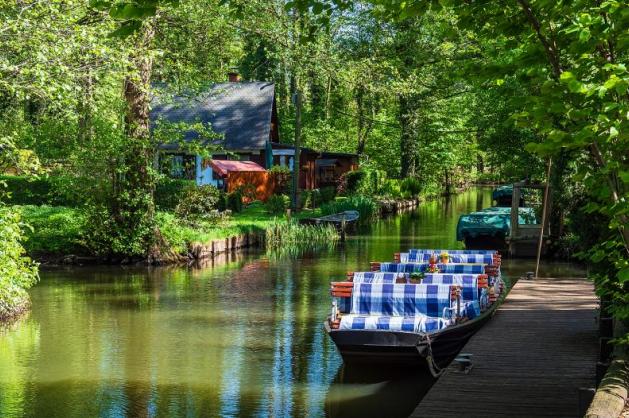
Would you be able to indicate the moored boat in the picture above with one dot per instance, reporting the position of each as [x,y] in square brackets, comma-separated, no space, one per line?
[337,219]
[414,313]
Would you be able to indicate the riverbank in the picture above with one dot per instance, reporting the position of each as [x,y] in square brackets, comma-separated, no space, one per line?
[57,234]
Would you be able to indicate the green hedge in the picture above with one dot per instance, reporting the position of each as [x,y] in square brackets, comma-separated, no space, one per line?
[25,190]
[59,191]
[54,230]
[169,192]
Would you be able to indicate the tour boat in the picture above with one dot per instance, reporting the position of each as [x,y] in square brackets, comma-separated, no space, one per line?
[415,312]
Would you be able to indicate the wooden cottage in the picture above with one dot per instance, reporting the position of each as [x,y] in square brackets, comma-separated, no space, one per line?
[245,115]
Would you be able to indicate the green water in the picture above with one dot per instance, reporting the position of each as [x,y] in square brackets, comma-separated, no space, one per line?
[241,336]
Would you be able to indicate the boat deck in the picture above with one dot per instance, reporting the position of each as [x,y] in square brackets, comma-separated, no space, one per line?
[529,361]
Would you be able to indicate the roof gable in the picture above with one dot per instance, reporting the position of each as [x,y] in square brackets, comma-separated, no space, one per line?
[241,112]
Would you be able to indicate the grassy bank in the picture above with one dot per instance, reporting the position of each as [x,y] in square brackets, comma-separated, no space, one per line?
[57,231]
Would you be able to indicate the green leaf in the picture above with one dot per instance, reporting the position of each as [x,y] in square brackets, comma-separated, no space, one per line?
[623,275]
[613,132]
[566,76]
[126,29]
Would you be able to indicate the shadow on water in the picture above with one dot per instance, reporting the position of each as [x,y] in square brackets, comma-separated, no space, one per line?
[363,391]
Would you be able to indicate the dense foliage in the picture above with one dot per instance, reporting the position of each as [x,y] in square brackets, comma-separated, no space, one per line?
[429,94]
[17,272]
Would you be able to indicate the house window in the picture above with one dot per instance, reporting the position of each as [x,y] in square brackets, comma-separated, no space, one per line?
[178,166]
[327,174]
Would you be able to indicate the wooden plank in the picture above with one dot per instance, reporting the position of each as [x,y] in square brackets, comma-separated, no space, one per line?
[529,361]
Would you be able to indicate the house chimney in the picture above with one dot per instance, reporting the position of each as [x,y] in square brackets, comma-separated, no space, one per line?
[233,76]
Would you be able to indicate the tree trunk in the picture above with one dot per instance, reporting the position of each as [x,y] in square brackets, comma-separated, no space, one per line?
[133,205]
[408,153]
[480,164]
[85,110]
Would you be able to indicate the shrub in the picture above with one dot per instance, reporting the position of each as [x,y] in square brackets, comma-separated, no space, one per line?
[52,190]
[282,176]
[198,201]
[172,231]
[169,192]
[392,188]
[247,192]
[308,198]
[54,229]
[372,182]
[17,272]
[277,204]
[326,194]
[349,182]
[234,201]
[411,187]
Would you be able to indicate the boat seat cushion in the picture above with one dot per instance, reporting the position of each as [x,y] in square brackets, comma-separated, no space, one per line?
[423,267]
[445,278]
[400,299]
[420,323]
[378,277]
[452,258]
[437,251]
[468,283]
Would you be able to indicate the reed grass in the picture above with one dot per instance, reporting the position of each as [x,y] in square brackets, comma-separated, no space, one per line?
[367,207]
[291,233]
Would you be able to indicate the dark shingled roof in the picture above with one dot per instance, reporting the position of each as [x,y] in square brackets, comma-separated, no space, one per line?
[240,111]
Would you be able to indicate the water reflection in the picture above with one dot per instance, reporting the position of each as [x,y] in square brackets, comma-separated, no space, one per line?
[358,391]
[238,336]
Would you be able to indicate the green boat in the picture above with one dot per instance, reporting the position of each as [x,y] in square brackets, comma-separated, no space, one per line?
[503,195]
[491,227]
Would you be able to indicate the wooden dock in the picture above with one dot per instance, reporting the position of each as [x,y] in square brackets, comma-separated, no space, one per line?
[529,361]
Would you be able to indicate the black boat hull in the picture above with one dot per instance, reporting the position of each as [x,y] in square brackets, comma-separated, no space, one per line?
[409,348]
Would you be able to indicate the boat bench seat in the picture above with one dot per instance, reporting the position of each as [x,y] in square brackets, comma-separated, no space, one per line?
[451,268]
[452,258]
[407,299]
[378,277]
[415,323]
[419,323]
[439,251]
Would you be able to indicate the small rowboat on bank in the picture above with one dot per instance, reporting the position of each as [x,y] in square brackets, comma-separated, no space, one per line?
[339,220]
[413,313]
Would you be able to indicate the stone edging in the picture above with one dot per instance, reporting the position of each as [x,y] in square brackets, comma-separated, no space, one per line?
[611,396]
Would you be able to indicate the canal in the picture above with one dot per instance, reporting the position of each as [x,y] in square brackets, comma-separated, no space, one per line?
[240,336]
